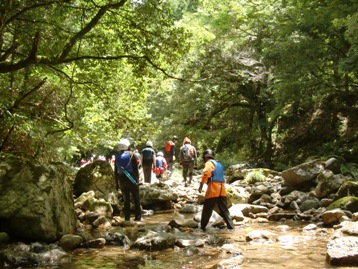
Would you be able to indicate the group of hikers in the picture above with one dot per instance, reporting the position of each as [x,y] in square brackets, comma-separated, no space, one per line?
[126,172]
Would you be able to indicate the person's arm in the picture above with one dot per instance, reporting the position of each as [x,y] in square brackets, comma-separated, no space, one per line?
[195,158]
[207,172]
[116,179]
[154,160]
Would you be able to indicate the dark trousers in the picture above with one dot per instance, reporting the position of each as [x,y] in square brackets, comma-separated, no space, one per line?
[128,189]
[188,168]
[147,172]
[208,208]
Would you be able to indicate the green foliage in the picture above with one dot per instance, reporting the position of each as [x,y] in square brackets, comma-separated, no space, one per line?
[350,169]
[254,176]
[77,75]
[254,80]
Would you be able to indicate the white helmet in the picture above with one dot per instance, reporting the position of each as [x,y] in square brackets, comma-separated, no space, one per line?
[149,144]
[123,144]
[160,153]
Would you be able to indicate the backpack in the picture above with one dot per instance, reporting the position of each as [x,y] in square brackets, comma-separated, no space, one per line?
[168,146]
[188,152]
[147,153]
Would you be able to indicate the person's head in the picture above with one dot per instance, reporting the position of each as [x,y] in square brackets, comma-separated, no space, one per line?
[160,154]
[175,139]
[149,144]
[186,140]
[208,154]
[123,145]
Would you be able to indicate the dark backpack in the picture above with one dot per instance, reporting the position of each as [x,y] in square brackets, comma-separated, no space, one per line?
[188,152]
[147,153]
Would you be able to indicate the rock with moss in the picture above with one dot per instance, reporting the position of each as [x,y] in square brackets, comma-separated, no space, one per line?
[349,203]
[36,199]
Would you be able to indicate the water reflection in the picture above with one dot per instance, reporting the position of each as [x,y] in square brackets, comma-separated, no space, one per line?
[293,248]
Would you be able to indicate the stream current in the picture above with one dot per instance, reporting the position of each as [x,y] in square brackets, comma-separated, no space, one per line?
[294,248]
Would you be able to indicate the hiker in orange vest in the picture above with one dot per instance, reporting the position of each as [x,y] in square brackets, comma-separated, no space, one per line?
[213,175]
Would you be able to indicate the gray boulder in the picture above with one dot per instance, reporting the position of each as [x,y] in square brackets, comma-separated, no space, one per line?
[97,176]
[36,200]
[303,173]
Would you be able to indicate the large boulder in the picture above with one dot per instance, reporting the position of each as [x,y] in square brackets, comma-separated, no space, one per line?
[98,177]
[328,183]
[302,173]
[36,199]
[157,195]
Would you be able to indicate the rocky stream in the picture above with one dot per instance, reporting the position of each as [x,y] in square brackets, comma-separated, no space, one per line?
[305,216]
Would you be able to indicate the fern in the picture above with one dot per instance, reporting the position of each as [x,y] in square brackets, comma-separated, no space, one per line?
[255,176]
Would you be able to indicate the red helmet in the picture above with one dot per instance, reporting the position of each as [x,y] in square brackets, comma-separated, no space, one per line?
[187,140]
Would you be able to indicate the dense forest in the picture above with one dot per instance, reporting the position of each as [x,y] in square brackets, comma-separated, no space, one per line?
[272,81]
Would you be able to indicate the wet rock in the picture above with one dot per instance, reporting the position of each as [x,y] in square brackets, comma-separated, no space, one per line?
[153,241]
[212,239]
[117,239]
[37,254]
[190,251]
[259,235]
[233,262]
[343,251]
[228,248]
[180,223]
[70,241]
[190,242]
[331,217]
[310,227]
[95,243]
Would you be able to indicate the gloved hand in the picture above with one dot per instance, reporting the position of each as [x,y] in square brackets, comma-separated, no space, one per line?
[200,188]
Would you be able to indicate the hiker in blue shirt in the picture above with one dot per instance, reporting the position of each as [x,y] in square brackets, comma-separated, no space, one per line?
[127,178]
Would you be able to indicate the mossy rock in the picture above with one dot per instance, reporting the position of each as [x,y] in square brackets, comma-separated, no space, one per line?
[348,188]
[349,203]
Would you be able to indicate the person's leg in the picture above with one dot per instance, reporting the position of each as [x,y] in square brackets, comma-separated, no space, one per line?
[147,171]
[207,212]
[185,172]
[224,212]
[136,198]
[127,203]
[190,171]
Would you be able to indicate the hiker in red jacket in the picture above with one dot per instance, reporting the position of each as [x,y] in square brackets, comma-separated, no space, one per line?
[169,153]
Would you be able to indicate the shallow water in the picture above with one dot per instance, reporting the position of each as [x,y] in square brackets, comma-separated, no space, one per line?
[294,248]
